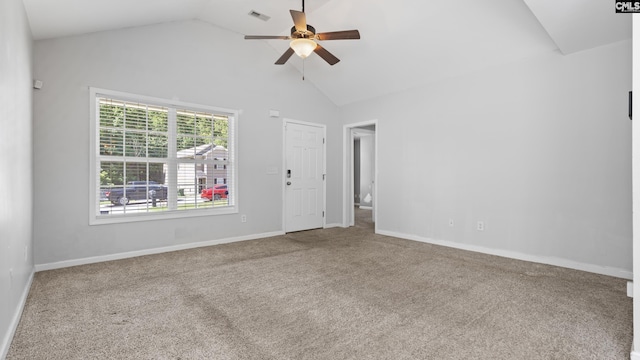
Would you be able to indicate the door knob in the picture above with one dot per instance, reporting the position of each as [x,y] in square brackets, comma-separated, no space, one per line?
[288,182]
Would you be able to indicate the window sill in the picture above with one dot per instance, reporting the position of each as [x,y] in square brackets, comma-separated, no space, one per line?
[165,215]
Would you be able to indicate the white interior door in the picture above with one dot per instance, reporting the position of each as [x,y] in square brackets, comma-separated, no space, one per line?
[304,177]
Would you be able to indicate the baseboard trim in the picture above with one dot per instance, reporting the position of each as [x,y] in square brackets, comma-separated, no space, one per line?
[570,264]
[635,355]
[334,225]
[6,342]
[366,207]
[131,254]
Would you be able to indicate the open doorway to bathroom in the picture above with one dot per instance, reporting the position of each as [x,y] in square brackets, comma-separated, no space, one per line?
[363,175]
[360,175]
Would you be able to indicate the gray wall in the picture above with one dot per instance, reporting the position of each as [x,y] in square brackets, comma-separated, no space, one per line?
[635,354]
[15,165]
[540,150]
[194,62]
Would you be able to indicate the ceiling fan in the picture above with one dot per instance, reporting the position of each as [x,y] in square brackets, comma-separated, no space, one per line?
[304,39]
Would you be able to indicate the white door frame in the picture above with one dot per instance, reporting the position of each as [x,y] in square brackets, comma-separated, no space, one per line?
[347,171]
[286,121]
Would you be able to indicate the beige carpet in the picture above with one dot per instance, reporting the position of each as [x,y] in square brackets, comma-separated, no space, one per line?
[363,219]
[324,294]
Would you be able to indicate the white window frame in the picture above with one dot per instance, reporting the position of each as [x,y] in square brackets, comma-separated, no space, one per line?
[94,179]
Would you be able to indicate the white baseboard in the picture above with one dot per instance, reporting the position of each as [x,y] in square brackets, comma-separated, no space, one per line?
[602,270]
[334,225]
[6,342]
[119,256]
[366,207]
[635,355]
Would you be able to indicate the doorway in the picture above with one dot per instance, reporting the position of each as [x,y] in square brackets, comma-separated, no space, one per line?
[304,176]
[360,175]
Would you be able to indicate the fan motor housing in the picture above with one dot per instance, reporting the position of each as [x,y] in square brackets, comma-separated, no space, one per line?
[311,31]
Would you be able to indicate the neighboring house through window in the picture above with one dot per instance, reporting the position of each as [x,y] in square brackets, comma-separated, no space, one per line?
[153,158]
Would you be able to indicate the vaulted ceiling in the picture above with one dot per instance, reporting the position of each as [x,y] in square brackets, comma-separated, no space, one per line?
[404,44]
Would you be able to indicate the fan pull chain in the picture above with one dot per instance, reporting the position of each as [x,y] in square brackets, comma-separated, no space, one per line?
[303,61]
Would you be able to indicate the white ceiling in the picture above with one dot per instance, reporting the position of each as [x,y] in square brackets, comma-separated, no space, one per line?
[405,43]
[577,25]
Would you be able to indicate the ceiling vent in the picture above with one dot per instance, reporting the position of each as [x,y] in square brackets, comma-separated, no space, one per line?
[259,16]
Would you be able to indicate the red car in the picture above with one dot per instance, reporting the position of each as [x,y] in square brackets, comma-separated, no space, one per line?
[217,192]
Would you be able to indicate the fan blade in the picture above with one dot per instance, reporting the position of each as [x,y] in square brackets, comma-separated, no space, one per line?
[327,56]
[339,35]
[299,19]
[283,59]
[265,37]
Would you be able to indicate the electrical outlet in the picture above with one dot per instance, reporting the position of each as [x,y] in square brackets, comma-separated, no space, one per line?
[243,218]
[451,222]
[480,225]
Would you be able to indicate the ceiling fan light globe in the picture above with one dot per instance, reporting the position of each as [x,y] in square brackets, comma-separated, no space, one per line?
[303,47]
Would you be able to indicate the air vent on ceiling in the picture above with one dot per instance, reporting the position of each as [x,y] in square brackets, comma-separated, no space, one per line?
[259,16]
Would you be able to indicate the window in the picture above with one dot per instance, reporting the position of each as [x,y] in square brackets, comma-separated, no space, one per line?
[154,158]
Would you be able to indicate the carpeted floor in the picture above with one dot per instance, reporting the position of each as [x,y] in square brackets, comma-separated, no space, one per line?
[363,218]
[324,294]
